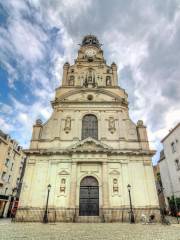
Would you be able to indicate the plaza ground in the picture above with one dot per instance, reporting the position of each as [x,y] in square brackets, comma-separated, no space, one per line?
[87,231]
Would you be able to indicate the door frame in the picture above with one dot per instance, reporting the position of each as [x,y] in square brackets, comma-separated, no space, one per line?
[89,187]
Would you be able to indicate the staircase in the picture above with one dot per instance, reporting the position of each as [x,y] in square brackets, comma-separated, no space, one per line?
[88,219]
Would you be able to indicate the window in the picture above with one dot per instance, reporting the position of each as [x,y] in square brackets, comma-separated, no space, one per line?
[3,176]
[17,181]
[9,178]
[177,163]
[7,162]
[89,126]
[90,97]
[108,81]
[71,81]
[6,189]
[12,166]
[173,147]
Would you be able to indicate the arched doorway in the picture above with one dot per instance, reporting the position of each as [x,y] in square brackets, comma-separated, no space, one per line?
[89,197]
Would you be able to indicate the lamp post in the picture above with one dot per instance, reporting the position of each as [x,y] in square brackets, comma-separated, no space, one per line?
[45,218]
[132,220]
[176,209]
[13,210]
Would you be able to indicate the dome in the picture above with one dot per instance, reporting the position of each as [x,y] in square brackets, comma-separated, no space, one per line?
[90,40]
[38,122]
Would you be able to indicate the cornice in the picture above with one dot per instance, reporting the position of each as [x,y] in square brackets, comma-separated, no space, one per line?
[118,99]
[41,152]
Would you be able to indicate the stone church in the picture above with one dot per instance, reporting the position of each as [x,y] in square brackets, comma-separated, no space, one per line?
[89,150]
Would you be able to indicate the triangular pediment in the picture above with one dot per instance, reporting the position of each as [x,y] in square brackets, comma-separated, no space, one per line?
[89,144]
[97,95]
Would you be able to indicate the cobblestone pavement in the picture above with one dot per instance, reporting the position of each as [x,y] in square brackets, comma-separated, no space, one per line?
[87,231]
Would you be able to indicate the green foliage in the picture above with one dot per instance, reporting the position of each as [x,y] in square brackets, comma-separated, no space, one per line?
[174,204]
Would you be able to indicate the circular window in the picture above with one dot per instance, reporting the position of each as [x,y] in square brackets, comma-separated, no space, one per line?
[90,97]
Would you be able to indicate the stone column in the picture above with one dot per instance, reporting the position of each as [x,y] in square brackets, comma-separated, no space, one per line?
[105,188]
[73,186]
[65,73]
[114,71]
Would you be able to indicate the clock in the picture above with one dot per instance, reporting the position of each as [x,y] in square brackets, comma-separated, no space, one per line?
[90,52]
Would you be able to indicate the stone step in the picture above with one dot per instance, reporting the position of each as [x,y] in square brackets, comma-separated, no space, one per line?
[88,219]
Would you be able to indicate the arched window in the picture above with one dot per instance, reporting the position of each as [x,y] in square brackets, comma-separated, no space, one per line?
[89,126]
[108,81]
[71,81]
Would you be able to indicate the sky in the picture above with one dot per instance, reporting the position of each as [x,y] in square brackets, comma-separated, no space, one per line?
[38,36]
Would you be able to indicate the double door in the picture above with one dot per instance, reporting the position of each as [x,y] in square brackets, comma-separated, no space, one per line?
[89,201]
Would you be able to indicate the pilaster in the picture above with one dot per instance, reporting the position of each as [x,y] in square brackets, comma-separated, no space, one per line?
[105,187]
[73,185]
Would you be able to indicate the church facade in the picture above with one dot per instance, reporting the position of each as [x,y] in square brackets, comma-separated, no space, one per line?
[89,150]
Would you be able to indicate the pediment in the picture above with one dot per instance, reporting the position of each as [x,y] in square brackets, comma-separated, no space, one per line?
[114,172]
[98,95]
[63,172]
[89,144]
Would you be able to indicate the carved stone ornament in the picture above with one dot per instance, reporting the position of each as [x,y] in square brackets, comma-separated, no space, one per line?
[112,128]
[115,186]
[67,127]
[63,185]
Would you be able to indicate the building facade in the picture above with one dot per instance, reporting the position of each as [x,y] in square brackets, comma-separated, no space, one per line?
[12,160]
[169,164]
[159,187]
[89,150]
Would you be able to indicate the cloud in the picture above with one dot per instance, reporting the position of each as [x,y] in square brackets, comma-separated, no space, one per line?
[141,37]
[5,109]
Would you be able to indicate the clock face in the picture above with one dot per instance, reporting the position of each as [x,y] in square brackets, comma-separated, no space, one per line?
[90,52]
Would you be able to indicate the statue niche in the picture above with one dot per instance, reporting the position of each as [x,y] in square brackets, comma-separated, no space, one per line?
[71,80]
[67,127]
[63,185]
[108,81]
[115,186]
[112,128]
[90,79]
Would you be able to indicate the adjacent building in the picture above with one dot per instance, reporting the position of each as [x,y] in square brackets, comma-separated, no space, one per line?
[169,164]
[12,160]
[89,151]
[159,187]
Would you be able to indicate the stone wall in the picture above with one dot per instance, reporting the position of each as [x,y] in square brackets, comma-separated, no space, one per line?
[72,215]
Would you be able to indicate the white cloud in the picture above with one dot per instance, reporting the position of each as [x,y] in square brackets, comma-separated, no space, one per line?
[27,40]
[5,108]
[142,37]
[5,126]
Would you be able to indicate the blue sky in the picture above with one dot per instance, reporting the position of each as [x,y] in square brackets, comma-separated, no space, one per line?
[37,37]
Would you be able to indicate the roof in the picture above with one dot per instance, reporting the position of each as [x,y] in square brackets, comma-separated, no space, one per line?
[170,132]
[90,40]
[3,135]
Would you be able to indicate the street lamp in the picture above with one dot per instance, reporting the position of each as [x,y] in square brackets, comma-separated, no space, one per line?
[45,218]
[176,209]
[132,220]
[11,210]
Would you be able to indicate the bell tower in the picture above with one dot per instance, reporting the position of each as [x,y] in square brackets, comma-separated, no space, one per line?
[90,69]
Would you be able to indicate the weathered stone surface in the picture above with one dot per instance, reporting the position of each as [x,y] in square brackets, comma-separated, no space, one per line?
[110,148]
